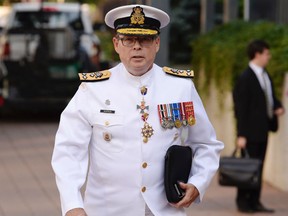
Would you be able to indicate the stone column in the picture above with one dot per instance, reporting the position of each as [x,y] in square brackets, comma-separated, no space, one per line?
[276,169]
[207,15]
[230,10]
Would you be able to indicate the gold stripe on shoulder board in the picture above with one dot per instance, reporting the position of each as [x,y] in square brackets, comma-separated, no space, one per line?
[95,76]
[179,72]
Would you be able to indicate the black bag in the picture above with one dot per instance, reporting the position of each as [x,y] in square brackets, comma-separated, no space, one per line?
[243,172]
[178,162]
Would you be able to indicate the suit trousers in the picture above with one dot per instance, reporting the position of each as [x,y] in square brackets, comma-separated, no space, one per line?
[249,198]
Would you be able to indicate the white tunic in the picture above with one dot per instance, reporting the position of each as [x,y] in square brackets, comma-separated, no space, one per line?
[116,178]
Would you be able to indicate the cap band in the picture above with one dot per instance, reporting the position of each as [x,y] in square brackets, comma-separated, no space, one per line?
[137,31]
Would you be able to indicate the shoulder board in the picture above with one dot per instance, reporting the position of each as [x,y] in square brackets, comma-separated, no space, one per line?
[179,72]
[95,76]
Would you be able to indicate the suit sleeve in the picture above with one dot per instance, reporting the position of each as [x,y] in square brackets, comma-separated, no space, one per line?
[241,99]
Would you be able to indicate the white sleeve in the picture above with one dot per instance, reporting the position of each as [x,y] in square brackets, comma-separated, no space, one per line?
[70,155]
[206,148]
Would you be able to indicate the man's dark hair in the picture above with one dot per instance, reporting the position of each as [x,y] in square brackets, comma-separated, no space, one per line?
[256,46]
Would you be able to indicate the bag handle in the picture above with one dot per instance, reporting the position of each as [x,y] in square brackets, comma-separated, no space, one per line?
[241,152]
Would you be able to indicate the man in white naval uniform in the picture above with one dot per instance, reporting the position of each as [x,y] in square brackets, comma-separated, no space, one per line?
[115,131]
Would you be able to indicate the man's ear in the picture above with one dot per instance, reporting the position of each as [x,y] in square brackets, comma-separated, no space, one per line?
[157,40]
[116,44]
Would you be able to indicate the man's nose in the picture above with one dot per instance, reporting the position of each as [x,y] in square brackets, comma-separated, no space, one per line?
[137,44]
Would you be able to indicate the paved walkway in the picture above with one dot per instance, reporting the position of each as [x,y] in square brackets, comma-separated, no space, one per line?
[27,186]
[220,201]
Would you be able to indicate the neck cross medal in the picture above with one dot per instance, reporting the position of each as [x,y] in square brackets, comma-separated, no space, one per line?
[142,107]
[147,130]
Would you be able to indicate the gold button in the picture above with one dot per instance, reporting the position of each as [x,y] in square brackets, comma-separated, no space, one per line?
[144,165]
[143,189]
[107,123]
[107,136]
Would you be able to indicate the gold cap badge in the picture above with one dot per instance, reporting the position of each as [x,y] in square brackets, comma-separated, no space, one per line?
[137,16]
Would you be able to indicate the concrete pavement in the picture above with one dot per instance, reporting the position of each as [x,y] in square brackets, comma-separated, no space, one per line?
[27,186]
[220,201]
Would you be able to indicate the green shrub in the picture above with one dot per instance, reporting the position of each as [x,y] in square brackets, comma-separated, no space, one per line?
[222,52]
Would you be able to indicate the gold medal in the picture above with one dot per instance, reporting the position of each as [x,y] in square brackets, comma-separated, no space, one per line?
[191,121]
[143,90]
[147,132]
[189,112]
[178,123]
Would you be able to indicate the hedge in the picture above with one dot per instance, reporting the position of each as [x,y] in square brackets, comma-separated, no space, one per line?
[222,52]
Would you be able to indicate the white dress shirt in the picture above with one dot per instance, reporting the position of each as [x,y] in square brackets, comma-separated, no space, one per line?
[266,86]
[108,148]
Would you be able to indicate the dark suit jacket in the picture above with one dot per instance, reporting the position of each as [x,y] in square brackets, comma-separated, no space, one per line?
[250,107]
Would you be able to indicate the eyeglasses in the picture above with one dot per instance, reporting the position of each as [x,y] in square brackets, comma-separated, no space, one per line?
[144,41]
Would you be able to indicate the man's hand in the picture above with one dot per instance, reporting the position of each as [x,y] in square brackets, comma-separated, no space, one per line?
[241,142]
[279,111]
[76,212]
[191,193]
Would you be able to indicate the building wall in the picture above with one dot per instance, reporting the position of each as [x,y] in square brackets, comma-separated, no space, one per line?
[263,10]
[281,11]
[274,11]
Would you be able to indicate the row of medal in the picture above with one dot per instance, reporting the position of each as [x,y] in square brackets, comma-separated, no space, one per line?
[176,114]
[170,115]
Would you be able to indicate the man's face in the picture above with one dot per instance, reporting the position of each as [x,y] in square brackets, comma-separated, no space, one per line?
[137,53]
[263,58]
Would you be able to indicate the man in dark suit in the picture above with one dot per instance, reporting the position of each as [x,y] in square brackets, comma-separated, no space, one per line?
[256,111]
